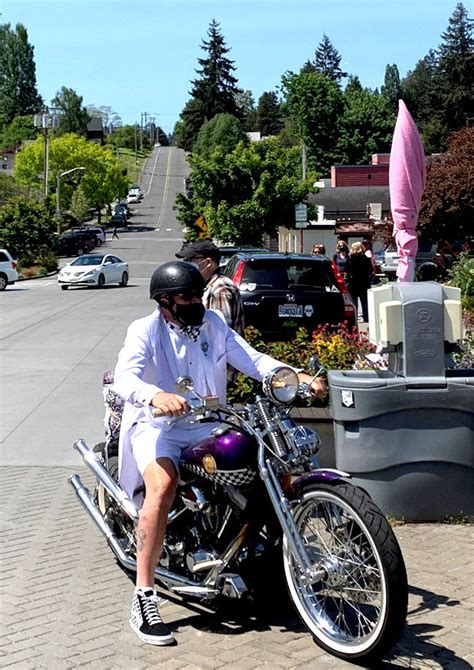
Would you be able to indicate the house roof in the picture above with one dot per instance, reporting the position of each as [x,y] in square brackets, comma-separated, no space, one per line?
[95,125]
[350,201]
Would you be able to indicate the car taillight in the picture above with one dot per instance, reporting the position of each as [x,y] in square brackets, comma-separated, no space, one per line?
[349,310]
[237,278]
[14,265]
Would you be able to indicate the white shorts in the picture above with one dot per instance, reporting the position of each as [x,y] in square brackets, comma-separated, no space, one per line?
[150,442]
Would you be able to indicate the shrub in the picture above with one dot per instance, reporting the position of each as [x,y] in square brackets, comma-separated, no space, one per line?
[343,348]
[462,276]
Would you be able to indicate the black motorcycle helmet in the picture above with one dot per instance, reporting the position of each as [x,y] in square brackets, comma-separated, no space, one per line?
[176,277]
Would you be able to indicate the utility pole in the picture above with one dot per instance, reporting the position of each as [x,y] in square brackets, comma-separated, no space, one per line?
[136,142]
[45,121]
[141,132]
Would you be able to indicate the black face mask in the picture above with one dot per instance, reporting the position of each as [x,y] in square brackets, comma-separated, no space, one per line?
[189,315]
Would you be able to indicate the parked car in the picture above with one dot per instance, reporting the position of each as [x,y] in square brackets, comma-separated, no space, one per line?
[118,219]
[8,271]
[124,208]
[97,231]
[74,243]
[228,252]
[133,198]
[136,190]
[283,292]
[94,270]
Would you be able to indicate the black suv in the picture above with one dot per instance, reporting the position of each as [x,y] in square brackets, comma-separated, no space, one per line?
[74,243]
[283,292]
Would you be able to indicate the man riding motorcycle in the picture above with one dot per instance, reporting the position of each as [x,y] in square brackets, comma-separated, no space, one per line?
[179,338]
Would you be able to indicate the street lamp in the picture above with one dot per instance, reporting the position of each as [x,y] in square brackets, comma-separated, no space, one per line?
[58,197]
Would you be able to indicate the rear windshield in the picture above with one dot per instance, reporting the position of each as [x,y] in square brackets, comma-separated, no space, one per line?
[278,275]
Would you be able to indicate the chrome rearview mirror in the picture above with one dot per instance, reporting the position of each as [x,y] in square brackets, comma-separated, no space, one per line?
[184,384]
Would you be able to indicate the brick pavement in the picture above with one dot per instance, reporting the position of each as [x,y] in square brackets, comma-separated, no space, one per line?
[64,601]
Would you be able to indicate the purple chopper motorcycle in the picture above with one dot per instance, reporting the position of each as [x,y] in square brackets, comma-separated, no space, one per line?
[254,491]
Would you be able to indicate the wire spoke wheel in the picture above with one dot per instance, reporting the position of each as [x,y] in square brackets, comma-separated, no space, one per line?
[358,610]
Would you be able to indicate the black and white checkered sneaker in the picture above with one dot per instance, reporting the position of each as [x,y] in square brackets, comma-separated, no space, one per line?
[145,618]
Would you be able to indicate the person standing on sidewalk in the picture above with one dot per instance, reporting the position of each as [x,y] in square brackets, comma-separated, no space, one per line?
[114,233]
[359,277]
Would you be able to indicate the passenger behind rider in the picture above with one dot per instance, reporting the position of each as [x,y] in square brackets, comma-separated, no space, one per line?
[179,338]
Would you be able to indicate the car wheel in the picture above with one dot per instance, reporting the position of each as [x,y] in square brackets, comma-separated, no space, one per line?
[64,288]
[3,282]
[101,281]
[124,281]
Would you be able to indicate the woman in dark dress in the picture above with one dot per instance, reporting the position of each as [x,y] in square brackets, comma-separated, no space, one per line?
[341,257]
[359,277]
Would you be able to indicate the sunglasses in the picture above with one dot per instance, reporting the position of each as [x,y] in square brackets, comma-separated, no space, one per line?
[189,294]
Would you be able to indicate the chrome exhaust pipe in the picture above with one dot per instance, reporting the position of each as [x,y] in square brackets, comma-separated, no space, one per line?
[173,581]
[92,460]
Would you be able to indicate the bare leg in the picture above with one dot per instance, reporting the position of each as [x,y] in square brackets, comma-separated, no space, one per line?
[161,479]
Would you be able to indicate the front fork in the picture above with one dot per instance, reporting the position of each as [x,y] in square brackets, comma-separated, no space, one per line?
[309,573]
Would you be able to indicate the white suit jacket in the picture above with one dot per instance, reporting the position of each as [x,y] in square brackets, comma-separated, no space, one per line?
[153,357]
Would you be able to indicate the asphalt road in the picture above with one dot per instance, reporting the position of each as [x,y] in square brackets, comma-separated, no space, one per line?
[55,345]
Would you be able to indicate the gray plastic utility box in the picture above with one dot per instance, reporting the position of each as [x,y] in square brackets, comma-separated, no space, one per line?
[406,434]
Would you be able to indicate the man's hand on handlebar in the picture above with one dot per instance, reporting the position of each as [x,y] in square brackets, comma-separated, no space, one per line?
[169,404]
[315,385]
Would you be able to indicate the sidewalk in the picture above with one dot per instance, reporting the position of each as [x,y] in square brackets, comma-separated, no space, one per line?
[64,601]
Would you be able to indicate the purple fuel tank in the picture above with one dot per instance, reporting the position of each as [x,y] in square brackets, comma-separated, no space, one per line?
[229,457]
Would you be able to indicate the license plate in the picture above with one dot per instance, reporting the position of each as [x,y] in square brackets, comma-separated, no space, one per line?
[293,311]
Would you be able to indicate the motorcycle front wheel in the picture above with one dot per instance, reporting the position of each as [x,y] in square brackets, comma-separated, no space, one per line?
[358,610]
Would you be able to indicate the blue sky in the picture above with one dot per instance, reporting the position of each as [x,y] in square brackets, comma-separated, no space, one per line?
[140,55]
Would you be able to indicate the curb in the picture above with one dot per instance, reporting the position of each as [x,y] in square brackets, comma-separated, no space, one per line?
[48,274]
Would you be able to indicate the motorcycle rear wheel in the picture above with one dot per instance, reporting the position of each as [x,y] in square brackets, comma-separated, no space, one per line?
[357,612]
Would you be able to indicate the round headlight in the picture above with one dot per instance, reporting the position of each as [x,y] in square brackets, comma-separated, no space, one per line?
[281,385]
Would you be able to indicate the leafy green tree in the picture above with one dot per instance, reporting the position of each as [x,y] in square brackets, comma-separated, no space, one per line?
[327,60]
[125,137]
[18,93]
[224,131]
[447,210]
[215,90]
[27,229]
[102,180]
[391,89]
[315,104]
[269,114]
[456,69]
[245,193]
[79,206]
[16,132]
[366,126]
[73,116]
[162,137]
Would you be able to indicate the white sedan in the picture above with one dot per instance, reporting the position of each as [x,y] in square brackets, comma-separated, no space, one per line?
[93,270]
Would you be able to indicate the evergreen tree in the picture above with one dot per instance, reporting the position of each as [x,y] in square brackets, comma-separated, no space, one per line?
[74,117]
[18,93]
[327,60]
[269,117]
[391,89]
[456,69]
[353,84]
[214,92]
[246,104]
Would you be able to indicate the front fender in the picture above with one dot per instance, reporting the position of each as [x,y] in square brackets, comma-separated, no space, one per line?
[321,475]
